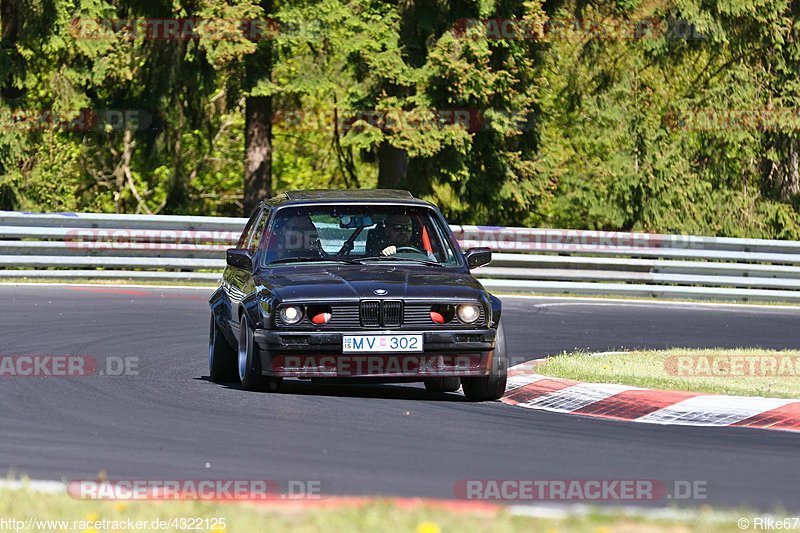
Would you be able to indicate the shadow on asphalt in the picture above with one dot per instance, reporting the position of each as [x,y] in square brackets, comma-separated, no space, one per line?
[384,391]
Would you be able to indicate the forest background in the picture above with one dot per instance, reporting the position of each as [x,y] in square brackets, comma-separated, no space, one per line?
[677,117]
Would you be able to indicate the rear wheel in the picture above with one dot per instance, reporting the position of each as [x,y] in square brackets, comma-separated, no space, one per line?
[221,356]
[249,364]
[449,384]
[493,386]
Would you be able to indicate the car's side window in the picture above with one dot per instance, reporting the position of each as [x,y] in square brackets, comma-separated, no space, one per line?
[247,234]
[259,232]
[443,253]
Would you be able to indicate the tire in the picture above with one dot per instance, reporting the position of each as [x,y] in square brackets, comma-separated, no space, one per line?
[248,363]
[448,384]
[221,355]
[493,386]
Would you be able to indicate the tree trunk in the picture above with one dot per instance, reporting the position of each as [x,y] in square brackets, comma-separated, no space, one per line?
[258,151]
[10,15]
[791,179]
[783,175]
[258,124]
[392,167]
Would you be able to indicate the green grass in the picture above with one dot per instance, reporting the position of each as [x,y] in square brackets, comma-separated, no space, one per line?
[379,516]
[660,370]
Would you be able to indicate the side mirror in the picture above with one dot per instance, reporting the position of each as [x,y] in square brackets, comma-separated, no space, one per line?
[478,257]
[239,258]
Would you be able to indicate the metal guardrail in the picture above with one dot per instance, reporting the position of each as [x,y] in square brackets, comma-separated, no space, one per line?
[189,248]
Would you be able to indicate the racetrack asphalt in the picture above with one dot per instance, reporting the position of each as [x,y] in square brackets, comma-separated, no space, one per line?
[170,422]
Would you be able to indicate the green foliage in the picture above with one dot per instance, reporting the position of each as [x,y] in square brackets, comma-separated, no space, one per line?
[624,138]
[658,129]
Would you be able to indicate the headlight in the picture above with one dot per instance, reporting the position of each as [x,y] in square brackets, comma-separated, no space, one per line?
[291,314]
[468,313]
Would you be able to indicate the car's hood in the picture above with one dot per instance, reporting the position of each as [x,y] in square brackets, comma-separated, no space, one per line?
[330,282]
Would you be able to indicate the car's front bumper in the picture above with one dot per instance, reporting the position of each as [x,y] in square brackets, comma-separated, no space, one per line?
[319,354]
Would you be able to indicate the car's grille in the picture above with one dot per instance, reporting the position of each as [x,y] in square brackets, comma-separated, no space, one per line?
[392,312]
[375,313]
[418,315]
[371,313]
[344,316]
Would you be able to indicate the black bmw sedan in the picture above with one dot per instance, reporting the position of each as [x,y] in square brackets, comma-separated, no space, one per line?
[367,284]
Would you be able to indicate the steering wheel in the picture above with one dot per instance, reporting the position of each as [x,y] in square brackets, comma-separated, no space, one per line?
[410,249]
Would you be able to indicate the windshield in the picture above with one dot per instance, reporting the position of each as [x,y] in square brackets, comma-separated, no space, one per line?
[357,234]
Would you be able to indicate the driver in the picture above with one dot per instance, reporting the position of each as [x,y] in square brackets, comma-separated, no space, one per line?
[399,231]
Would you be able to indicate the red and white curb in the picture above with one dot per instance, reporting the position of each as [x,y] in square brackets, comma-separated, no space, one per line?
[621,402]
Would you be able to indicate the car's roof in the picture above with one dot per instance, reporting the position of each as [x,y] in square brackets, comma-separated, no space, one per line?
[345,196]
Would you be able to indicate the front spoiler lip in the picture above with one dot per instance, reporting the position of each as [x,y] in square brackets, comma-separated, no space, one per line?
[334,374]
[450,344]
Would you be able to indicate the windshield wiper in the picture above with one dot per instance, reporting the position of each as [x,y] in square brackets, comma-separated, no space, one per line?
[392,258]
[312,260]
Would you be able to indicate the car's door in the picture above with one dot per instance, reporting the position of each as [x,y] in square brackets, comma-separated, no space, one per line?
[226,300]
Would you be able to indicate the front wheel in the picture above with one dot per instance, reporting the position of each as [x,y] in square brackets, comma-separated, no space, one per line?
[249,364]
[221,356]
[493,386]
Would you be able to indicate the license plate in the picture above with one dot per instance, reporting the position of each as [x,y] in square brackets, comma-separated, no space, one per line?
[381,343]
